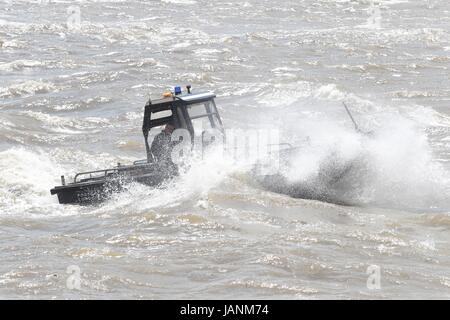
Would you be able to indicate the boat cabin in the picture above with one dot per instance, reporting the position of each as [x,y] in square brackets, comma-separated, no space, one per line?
[195,112]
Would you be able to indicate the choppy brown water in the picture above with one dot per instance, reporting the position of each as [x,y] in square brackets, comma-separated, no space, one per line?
[72,100]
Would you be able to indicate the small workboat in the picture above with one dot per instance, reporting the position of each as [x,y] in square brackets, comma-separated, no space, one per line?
[189,111]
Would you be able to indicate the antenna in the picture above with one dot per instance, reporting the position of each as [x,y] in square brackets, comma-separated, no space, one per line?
[351,117]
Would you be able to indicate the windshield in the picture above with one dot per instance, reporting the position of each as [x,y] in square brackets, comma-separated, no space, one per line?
[199,109]
[204,116]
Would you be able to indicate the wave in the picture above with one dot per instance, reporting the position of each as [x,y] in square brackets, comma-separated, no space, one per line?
[198,177]
[25,180]
[55,123]
[18,65]
[26,88]
[179,1]
[392,165]
[29,174]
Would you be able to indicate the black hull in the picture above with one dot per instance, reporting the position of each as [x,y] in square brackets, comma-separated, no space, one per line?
[77,193]
[97,190]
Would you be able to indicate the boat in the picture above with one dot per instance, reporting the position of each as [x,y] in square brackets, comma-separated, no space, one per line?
[184,110]
[192,112]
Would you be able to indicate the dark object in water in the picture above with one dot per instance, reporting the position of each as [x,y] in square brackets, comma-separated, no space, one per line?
[182,111]
[329,185]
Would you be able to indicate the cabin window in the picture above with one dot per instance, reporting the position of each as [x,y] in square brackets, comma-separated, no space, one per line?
[161,114]
[200,125]
[201,115]
[204,116]
[197,110]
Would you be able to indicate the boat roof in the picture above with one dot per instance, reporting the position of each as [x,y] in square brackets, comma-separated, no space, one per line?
[187,98]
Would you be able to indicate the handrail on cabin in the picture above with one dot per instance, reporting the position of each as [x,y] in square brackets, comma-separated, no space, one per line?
[105,173]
